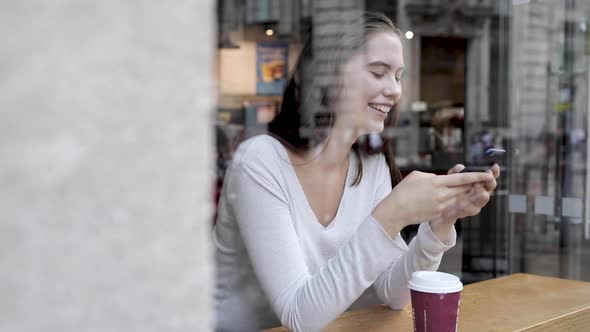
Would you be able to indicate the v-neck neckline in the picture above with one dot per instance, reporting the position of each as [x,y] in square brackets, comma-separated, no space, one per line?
[301,192]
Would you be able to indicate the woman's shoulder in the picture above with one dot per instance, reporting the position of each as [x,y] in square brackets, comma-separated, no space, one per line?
[258,151]
[260,158]
[374,162]
[375,170]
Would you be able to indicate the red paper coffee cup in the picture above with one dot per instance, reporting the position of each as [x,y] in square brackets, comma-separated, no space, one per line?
[435,301]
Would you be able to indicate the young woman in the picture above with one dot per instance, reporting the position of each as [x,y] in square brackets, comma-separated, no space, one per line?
[309,220]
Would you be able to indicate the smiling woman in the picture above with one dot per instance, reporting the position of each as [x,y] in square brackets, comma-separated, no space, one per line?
[301,235]
[371,81]
[366,69]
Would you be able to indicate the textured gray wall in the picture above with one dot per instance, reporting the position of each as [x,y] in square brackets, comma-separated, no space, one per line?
[105,165]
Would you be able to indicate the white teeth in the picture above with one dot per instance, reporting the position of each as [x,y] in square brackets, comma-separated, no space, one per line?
[381,108]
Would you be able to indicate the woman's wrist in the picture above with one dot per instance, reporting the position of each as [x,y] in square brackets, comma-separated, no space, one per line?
[442,228]
[391,220]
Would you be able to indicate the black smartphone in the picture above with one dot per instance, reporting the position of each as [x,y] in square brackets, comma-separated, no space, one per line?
[490,157]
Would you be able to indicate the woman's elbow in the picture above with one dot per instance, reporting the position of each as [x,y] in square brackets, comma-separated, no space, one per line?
[292,320]
[399,302]
[397,306]
[299,326]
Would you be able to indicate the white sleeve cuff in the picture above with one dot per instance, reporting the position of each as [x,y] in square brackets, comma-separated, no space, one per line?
[431,243]
[398,241]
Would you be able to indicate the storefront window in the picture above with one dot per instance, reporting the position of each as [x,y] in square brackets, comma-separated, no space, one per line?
[481,74]
[509,74]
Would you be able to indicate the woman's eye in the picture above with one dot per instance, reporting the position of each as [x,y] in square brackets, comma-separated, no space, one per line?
[377,75]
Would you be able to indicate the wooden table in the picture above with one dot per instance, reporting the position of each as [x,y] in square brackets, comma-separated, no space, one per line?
[519,302]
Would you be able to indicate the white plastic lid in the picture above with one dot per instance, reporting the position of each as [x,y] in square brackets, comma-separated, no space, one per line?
[435,282]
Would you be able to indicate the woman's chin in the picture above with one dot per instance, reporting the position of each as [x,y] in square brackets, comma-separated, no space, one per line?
[375,128]
[370,127]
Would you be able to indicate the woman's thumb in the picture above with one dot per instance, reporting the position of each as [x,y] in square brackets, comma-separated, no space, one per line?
[456,169]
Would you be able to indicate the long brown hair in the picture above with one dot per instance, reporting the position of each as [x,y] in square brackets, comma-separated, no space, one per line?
[305,117]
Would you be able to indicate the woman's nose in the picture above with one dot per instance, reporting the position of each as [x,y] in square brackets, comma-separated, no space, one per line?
[392,90]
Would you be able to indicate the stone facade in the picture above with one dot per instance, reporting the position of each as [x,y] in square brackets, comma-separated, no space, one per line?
[106,165]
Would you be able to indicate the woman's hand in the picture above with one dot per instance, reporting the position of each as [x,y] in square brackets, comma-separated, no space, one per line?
[424,196]
[467,204]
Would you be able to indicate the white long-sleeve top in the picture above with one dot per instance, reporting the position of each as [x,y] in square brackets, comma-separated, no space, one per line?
[277,265]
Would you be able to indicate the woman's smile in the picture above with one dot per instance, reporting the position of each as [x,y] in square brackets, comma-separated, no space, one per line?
[383,108]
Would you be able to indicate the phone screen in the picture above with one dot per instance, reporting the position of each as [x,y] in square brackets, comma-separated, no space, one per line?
[490,157]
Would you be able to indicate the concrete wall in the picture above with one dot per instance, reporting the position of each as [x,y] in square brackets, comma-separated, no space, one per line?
[105,165]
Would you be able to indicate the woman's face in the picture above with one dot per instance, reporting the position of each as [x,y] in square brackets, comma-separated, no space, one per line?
[370,84]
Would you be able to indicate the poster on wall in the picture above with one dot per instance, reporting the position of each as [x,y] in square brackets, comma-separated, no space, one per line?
[271,68]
